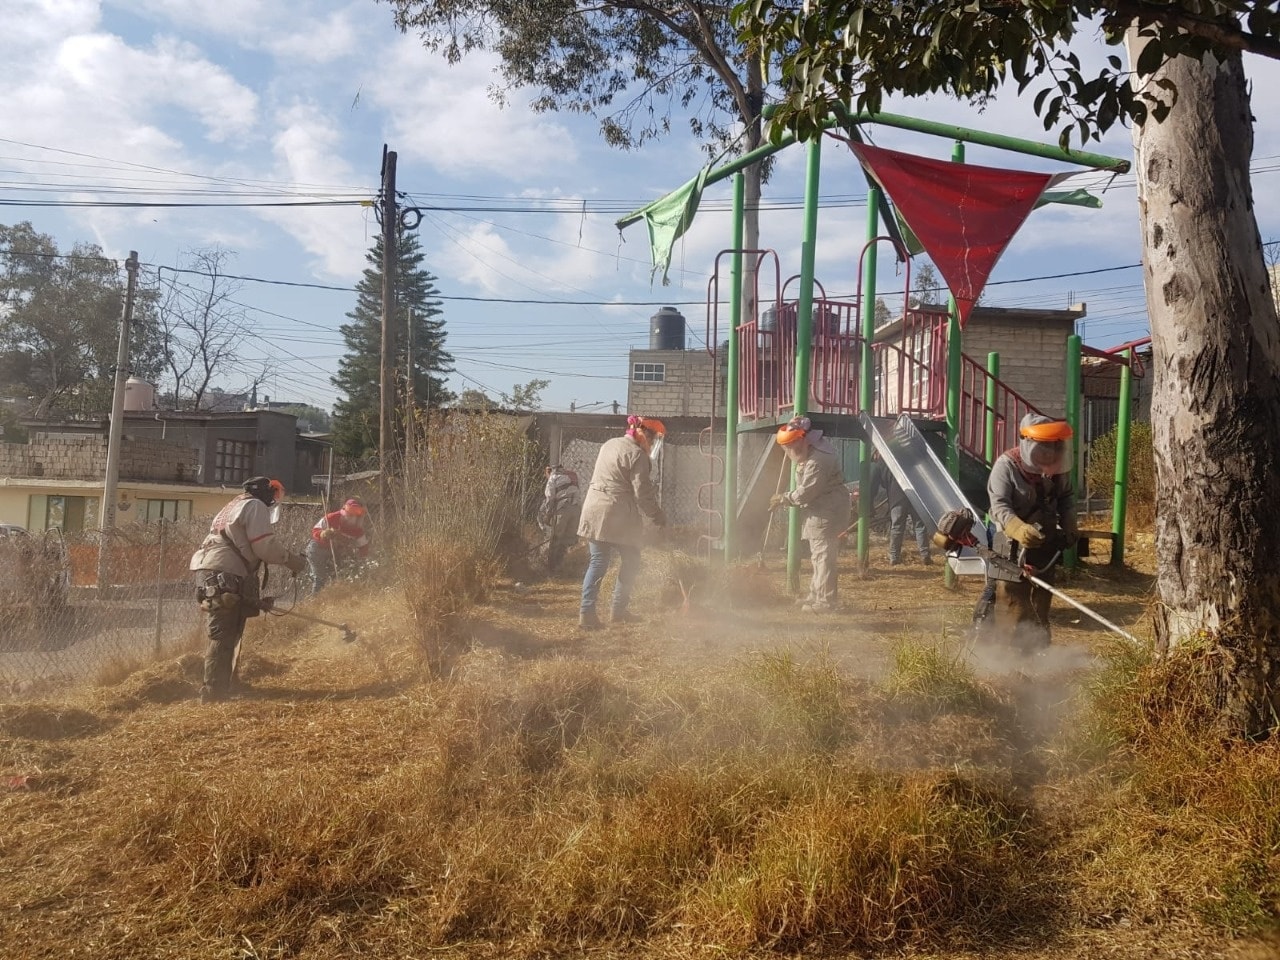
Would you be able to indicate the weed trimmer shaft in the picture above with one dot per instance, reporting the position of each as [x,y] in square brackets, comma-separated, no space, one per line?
[348,635]
[955,532]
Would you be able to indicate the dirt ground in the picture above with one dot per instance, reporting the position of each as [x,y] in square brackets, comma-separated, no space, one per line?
[68,764]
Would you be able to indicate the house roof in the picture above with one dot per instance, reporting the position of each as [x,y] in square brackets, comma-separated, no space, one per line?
[981,315]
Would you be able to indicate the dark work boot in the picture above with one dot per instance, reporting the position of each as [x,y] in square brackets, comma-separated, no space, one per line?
[587,620]
[622,616]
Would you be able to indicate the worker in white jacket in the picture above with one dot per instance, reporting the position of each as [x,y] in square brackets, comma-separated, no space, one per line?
[241,539]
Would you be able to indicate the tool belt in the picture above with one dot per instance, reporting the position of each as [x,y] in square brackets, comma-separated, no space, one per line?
[226,591]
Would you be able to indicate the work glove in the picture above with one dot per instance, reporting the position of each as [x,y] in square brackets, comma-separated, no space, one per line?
[296,563]
[1024,533]
[777,500]
[326,534]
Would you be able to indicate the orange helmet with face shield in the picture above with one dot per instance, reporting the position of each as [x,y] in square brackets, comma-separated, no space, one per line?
[793,431]
[353,508]
[1045,444]
[266,489]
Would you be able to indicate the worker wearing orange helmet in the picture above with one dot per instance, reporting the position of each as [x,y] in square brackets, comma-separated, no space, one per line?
[620,497]
[823,498]
[337,540]
[1033,503]
[241,542]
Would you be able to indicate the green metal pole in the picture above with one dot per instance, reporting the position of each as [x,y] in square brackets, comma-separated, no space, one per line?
[954,355]
[867,383]
[1120,501]
[989,440]
[731,378]
[804,334]
[1074,342]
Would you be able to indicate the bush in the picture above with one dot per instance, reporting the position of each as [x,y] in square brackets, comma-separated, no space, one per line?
[459,504]
[1142,468]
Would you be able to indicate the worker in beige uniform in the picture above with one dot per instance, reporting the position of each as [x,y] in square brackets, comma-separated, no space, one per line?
[823,499]
[620,497]
[241,539]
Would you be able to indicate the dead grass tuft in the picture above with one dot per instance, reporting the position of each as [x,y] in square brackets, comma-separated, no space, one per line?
[48,721]
[849,786]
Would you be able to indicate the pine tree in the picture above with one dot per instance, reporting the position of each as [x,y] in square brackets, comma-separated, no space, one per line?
[355,419]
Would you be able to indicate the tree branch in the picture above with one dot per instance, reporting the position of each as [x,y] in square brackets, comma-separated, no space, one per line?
[1216,32]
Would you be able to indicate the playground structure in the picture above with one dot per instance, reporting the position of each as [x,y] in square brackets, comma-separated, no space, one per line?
[820,357]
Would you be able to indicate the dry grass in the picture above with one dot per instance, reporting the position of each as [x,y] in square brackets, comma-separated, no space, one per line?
[728,778]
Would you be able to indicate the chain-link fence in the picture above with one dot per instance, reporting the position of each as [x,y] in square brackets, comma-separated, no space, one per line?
[58,626]
[688,474]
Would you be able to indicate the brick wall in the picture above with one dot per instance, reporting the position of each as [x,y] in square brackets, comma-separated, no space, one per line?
[1033,357]
[687,390]
[85,458]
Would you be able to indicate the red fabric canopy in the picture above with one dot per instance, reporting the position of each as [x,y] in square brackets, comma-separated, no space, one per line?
[963,215]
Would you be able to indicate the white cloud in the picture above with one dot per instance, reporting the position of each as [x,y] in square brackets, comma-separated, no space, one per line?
[444,116]
[104,73]
[306,31]
[307,148]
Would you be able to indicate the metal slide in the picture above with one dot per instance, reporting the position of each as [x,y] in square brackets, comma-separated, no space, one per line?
[926,482]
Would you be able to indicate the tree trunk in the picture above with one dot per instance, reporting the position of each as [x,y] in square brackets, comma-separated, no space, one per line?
[1216,401]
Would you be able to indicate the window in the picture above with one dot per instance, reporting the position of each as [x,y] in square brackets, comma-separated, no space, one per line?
[232,461]
[649,372]
[153,510]
[68,514]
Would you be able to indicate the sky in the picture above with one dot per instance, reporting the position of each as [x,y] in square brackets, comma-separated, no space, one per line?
[258,101]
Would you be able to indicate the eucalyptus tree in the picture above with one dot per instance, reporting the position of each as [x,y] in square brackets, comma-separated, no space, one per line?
[1216,399]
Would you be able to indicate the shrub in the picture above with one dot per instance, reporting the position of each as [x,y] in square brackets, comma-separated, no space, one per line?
[459,503]
[1142,468]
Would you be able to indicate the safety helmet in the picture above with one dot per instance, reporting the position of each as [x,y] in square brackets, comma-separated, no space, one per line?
[793,431]
[1045,444]
[266,489]
[1041,428]
[353,508]
[649,423]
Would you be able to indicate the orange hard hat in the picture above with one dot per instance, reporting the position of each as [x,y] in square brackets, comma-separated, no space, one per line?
[353,508]
[277,490]
[653,424]
[792,431]
[1048,432]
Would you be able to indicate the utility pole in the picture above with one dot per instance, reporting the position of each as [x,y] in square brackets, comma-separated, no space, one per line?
[115,435]
[390,218]
[410,401]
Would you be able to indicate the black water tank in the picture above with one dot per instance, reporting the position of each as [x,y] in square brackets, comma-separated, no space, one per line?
[666,330]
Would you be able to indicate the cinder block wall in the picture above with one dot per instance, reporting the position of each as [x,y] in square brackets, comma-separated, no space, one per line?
[687,391]
[85,458]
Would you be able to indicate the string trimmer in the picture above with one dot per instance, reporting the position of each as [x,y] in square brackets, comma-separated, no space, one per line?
[1005,560]
[267,605]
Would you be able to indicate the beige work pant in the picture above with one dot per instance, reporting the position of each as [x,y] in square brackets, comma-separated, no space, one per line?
[822,588]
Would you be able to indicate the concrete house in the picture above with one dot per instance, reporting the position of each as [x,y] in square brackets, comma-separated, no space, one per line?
[172,466]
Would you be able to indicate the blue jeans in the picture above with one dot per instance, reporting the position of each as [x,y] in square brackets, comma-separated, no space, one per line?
[601,555]
[899,516]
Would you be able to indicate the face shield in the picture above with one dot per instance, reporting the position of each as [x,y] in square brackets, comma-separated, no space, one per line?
[277,498]
[655,448]
[1046,457]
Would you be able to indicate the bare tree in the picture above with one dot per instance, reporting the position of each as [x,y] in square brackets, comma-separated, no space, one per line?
[200,324]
